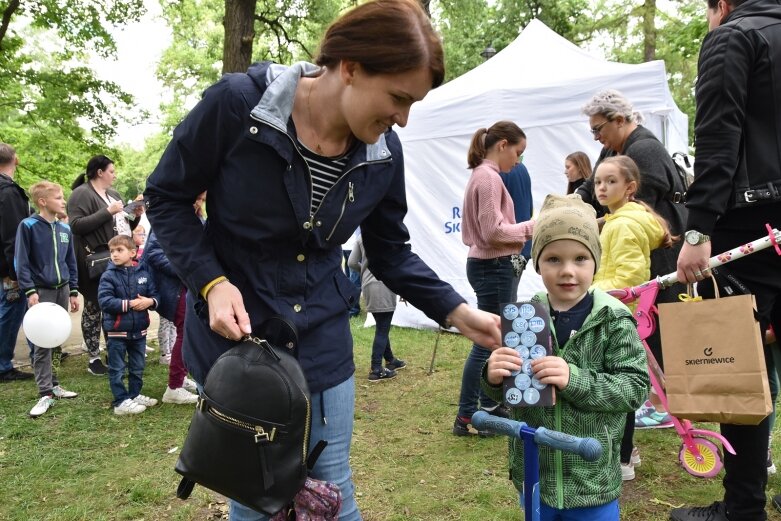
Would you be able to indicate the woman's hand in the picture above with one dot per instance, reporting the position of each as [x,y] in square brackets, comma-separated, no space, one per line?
[115,207]
[501,364]
[227,316]
[480,327]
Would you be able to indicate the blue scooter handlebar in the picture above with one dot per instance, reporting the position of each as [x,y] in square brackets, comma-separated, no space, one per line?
[587,448]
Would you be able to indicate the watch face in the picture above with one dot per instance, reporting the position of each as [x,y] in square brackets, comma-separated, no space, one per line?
[693,237]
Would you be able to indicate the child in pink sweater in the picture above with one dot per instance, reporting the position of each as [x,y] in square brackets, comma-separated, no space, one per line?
[488,227]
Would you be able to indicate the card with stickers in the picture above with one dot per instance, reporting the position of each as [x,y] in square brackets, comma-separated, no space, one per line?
[526,328]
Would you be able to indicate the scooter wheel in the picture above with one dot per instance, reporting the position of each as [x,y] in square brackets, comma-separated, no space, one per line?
[708,465]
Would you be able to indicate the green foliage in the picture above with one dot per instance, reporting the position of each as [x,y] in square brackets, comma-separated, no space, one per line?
[56,113]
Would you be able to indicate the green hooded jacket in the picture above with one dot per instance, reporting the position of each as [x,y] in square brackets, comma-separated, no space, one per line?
[608,378]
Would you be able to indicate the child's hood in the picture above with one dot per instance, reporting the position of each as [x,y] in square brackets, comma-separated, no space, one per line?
[639,214]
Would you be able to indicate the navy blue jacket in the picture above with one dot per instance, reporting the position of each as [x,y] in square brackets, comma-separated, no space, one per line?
[44,256]
[118,286]
[519,183]
[169,287]
[239,144]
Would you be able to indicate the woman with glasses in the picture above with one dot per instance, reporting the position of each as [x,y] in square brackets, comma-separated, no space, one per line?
[616,125]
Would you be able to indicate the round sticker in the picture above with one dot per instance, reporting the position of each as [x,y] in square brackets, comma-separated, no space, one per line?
[527,367]
[512,339]
[523,351]
[513,396]
[528,338]
[531,396]
[520,325]
[523,381]
[537,351]
[526,311]
[510,311]
[537,384]
[536,324]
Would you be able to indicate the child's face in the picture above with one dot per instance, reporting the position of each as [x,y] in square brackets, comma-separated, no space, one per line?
[139,236]
[53,203]
[121,256]
[567,270]
[611,187]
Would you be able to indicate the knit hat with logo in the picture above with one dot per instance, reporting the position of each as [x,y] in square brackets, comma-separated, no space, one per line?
[566,217]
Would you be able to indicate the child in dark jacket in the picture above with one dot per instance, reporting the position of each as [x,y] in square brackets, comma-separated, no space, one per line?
[46,270]
[125,294]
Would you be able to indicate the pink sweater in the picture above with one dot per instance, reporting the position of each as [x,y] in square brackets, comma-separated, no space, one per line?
[488,224]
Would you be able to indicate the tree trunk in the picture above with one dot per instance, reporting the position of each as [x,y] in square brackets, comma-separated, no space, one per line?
[239,23]
[649,30]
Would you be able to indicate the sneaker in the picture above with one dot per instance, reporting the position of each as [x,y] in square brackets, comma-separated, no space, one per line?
[97,368]
[776,501]
[713,512]
[644,418]
[463,427]
[42,406]
[771,467]
[396,364]
[634,459]
[165,359]
[59,392]
[180,396]
[14,375]
[149,349]
[190,385]
[146,401]
[664,419]
[383,373]
[627,472]
[500,410]
[129,407]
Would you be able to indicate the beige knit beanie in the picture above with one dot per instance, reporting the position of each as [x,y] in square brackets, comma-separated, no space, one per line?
[566,217]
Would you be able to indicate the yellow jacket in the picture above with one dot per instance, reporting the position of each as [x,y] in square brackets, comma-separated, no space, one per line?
[627,239]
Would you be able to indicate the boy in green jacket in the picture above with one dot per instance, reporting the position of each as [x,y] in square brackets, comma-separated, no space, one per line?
[598,368]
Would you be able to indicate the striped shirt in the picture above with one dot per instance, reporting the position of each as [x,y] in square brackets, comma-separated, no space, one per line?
[325,171]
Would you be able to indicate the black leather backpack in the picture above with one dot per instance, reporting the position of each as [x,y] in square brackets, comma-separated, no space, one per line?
[249,436]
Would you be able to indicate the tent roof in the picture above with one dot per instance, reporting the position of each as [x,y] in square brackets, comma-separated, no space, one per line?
[517,84]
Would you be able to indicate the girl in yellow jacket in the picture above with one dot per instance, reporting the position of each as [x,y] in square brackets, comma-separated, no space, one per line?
[632,230]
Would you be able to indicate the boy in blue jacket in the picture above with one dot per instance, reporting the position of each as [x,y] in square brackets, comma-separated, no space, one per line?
[125,294]
[45,266]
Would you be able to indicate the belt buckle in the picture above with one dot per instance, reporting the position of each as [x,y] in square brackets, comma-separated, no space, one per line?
[748,195]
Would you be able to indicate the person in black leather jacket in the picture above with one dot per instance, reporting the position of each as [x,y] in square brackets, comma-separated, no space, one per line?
[736,190]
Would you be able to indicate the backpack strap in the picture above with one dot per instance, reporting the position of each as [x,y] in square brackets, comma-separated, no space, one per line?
[185,488]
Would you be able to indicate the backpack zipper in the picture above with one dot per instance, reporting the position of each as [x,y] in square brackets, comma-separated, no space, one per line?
[258,430]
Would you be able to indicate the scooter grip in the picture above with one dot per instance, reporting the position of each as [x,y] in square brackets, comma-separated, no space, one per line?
[481,420]
[587,448]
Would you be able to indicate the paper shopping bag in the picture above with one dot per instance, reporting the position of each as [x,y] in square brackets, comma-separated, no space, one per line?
[714,360]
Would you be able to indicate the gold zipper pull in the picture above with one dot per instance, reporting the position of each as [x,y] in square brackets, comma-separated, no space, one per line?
[262,435]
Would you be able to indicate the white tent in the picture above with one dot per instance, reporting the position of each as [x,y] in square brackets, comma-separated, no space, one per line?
[540,81]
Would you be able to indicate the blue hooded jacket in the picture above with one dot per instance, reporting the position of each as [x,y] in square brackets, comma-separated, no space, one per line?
[44,256]
[118,286]
[239,143]
[169,287]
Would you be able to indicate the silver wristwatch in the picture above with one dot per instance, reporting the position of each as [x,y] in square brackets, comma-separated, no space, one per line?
[694,237]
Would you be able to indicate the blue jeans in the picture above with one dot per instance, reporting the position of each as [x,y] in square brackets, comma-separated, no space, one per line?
[607,512]
[337,404]
[118,349]
[381,348]
[11,315]
[492,281]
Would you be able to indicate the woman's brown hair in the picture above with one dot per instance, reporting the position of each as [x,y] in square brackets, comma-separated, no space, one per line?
[485,138]
[631,172]
[582,163]
[385,37]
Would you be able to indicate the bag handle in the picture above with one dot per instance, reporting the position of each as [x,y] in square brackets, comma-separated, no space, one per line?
[689,296]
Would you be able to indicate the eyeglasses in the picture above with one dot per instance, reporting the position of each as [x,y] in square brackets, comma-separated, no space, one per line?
[598,129]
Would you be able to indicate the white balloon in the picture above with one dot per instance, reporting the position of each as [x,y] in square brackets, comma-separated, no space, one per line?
[47,325]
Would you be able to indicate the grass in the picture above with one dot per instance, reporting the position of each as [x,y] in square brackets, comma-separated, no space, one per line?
[80,462]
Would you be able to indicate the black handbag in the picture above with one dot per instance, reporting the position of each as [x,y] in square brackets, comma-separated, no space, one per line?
[97,261]
[249,437]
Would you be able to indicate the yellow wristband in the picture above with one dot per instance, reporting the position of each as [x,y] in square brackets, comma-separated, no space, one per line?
[207,288]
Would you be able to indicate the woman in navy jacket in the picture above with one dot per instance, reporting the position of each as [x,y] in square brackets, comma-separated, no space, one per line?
[272,244]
